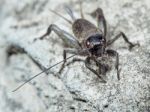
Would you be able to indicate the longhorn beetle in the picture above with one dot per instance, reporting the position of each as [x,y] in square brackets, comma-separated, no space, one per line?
[88,40]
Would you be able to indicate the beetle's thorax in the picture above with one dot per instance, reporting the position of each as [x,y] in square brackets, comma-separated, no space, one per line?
[90,36]
[83,29]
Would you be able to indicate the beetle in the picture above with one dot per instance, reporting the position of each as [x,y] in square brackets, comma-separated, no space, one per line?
[89,41]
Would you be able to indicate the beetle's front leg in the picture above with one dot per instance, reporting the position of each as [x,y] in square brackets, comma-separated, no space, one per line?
[114,53]
[103,68]
[87,64]
[121,34]
[74,60]
[67,38]
[72,51]
[101,21]
[69,63]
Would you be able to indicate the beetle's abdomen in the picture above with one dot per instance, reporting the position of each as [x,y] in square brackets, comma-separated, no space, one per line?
[83,29]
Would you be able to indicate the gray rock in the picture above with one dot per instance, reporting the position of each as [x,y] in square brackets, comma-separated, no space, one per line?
[76,89]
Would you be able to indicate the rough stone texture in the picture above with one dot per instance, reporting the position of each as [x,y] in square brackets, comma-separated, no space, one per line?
[76,89]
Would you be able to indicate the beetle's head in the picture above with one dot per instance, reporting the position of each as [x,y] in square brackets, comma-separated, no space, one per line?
[96,44]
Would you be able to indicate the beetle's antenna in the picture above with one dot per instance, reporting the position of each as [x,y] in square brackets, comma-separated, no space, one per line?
[81,10]
[70,12]
[41,73]
[60,16]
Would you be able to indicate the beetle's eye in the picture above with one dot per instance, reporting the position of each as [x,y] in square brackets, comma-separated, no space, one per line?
[88,44]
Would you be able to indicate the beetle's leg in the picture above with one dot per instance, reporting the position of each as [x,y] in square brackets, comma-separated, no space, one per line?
[87,64]
[74,60]
[69,63]
[102,68]
[70,51]
[121,34]
[68,39]
[115,53]
[101,21]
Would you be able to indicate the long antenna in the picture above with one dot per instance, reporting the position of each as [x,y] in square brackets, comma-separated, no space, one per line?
[70,12]
[60,16]
[41,73]
[81,10]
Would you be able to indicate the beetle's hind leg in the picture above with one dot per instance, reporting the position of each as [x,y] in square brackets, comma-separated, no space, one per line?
[101,21]
[67,38]
[87,64]
[121,34]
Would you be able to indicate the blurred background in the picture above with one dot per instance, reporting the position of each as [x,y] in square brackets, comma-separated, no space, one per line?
[76,89]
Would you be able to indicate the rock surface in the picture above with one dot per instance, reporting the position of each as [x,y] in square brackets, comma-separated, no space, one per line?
[76,89]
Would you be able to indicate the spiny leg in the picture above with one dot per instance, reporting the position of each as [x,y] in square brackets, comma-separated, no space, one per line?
[114,53]
[101,21]
[102,67]
[121,34]
[87,64]
[71,51]
[69,63]
[74,60]
[67,38]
